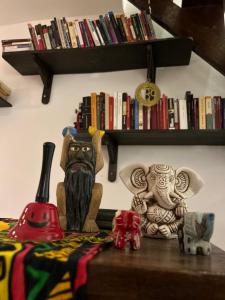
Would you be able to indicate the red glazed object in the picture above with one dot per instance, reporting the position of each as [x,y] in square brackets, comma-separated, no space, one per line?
[127,229]
[39,221]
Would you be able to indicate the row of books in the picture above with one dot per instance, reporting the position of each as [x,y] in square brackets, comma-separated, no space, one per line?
[103,30]
[13,45]
[120,111]
[5,91]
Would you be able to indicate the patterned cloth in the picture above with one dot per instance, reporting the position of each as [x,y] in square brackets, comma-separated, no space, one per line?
[55,270]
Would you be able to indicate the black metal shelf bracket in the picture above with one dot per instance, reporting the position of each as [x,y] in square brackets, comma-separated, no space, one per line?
[112,147]
[46,77]
[151,69]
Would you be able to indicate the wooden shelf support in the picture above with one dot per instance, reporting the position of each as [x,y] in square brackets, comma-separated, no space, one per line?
[46,77]
[151,69]
[112,147]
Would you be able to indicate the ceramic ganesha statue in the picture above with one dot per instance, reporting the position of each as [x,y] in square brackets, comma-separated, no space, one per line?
[126,229]
[160,194]
[79,196]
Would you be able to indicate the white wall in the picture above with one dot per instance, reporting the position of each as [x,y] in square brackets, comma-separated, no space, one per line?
[25,127]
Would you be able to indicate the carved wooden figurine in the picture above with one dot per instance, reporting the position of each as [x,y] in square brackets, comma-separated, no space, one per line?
[126,229]
[159,196]
[79,196]
[195,233]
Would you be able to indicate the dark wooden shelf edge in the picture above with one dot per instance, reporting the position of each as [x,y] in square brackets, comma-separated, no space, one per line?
[163,137]
[117,57]
[4,103]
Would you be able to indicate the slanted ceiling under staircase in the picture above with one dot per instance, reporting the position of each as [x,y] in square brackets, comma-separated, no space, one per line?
[203,20]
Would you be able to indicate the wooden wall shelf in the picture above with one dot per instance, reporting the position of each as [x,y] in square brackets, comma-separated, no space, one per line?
[113,138]
[125,56]
[156,271]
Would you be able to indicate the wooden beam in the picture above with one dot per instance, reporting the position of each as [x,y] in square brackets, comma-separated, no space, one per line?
[204,24]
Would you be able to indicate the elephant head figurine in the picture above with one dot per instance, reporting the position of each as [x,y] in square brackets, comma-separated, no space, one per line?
[159,195]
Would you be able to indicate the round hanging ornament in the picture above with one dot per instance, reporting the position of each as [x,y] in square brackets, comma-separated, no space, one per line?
[147,93]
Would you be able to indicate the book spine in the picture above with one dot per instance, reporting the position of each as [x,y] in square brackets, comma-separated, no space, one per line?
[145,117]
[121,28]
[84,34]
[151,27]
[139,25]
[154,117]
[67,34]
[208,112]
[110,30]
[120,110]
[171,118]
[183,114]
[176,114]
[86,112]
[102,31]
[132,114]
[135,26]
[47,39]
[164,112]
[111,113]
[93,33]
[140,116]
[223,112]
[56,34]
[100,38]
[60,30]
[202,117]
[196,114]
[98,113]
[115,111]
[94,110]
[145,24]
[72,34]
[115,26]
[88,33]
[123,19]
[102,21]
[33,36]
[136,114]
[124,111]
[41,45]
[128,112]
[102,111]
[78,31]
[107,111]
[149,118]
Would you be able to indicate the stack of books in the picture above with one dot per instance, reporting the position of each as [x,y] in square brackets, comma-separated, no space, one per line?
[121,112]
[16,45]
[92,32]
[5,91]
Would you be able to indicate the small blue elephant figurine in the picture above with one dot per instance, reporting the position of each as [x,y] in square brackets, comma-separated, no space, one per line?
[195,232]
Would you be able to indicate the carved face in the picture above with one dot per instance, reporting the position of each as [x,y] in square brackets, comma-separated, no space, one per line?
[81,152]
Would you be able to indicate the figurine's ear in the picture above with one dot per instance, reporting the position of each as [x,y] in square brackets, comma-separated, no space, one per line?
[188,182]
[97,143]
[134,178]
[64,156]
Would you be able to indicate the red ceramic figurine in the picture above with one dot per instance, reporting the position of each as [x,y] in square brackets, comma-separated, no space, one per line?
[126,228]
[39,221]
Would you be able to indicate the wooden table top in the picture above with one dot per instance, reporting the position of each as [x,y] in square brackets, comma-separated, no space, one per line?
[156,271]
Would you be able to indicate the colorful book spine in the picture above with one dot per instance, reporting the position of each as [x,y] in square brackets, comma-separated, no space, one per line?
[202,116]
[94,110]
